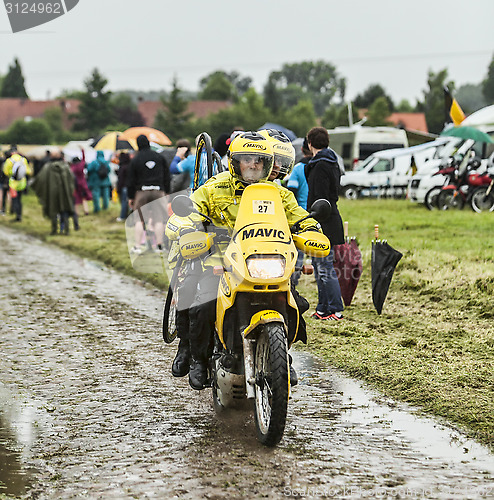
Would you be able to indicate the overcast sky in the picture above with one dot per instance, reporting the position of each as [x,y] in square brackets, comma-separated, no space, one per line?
[141,44]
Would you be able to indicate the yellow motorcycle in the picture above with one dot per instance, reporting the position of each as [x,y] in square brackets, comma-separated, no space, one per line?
[257,318]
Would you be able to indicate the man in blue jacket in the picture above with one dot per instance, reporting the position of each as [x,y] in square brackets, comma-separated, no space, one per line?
[297,183]
[323,179]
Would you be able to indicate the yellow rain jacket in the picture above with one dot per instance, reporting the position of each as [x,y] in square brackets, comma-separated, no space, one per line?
[219,198]
[16,168]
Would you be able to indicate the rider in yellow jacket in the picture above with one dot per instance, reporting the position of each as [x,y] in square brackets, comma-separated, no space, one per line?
[16,168]
[250,160]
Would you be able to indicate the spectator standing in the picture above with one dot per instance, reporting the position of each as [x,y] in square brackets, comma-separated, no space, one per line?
[323,179]
[184,163]
[123,167]
[16,169]
[42,162]
[298,184]
[297,181]
[4,186]
[54,186]
[82,194]
[98,180]
[180,180]
[148,180]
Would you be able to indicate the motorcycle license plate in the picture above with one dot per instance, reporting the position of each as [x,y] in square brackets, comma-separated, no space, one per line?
[263,207]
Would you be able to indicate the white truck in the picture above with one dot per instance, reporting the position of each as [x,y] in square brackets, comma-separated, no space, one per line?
[388,172]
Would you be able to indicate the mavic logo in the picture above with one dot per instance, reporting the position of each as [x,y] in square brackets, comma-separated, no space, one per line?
[195,246]
[315,244]
[27,14]
[281,147]
[262,232]
[254,145]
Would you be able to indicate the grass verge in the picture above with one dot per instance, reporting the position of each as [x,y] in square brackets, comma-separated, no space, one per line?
[432,347]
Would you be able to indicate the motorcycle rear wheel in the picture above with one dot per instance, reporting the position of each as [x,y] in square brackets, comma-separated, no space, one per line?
[446,200]
[169,317]
[481,202]
[272,384]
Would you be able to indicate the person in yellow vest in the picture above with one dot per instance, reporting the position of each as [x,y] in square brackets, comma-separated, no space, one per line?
[16,168]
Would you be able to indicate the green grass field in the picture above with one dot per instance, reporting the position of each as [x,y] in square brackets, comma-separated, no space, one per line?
[433,345]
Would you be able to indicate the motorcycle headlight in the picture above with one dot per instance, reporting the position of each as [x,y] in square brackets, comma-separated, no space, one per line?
[266,266]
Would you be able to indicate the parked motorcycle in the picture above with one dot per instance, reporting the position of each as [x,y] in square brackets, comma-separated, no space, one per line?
[257,317]
[430,200]
[482,198]
[456,194]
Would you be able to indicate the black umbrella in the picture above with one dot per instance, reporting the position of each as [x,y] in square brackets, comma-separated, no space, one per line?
[383,263]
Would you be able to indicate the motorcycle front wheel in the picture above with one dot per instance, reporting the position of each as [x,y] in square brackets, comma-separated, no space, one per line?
[450,199]
[430,200]
[481,201]
[272,384]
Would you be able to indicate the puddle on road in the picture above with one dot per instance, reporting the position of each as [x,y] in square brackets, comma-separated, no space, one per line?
[367,409]
[17,433]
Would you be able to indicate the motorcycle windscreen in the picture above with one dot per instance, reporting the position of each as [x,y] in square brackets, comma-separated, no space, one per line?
[261,230]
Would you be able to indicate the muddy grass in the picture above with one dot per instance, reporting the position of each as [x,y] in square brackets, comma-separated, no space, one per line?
[432,346]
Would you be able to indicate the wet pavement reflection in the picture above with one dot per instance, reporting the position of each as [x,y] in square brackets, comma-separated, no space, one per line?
[16,435]
[358,405]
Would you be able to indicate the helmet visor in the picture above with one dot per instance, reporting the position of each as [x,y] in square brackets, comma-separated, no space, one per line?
[282,165]
[251,167]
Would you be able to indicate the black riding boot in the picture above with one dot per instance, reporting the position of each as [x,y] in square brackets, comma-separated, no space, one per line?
[180,366]
[201,328]
[181,363]
[198,374]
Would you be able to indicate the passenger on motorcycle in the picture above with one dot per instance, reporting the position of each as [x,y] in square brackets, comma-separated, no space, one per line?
[284,153]
[250,160]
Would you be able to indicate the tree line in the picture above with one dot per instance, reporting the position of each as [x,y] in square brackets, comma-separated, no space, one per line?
[298,96]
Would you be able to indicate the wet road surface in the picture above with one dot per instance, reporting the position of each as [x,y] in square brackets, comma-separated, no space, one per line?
[89,409]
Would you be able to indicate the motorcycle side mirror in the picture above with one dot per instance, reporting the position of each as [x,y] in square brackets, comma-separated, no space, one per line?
[182,205]
[321,210]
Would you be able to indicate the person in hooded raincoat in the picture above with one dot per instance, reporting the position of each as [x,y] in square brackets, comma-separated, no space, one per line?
[54,186]
[100,186]
[82,194]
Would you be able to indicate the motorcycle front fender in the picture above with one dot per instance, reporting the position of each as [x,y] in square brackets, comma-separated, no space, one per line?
[262,317]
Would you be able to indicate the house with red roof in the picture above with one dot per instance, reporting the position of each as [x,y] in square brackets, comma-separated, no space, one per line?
[12,109]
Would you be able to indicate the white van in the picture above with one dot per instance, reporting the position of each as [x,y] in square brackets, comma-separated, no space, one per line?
[388,172]
[357,143]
